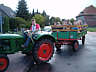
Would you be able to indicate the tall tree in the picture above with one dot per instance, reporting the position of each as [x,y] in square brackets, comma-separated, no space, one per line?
[72,20]
[37,11]
[33,13]
[44,13]
[40,19]
[6,24]
[22,10]
[46,17]
[52,20]
[57,19]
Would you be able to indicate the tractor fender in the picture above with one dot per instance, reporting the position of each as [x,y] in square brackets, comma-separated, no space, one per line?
[46,36]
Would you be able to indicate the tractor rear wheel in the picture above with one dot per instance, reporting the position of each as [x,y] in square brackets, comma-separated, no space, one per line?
[43,50]
[75,45]
[4,62]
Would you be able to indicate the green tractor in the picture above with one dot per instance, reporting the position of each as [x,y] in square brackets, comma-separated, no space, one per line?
[41,47]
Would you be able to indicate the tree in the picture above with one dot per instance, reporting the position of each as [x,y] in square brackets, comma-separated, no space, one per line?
[40,19]
[37,11]
[6,24]
[44,13]
[17,23]
[12,24]
[46,18]
[57,19]
[72,20]
[52,20]
[33,13]
[22,10]
[20,23]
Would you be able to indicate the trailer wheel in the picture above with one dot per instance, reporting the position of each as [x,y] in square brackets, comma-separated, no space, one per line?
[58,47]
[4,62]
[75,45]
[43,51]
[83,40]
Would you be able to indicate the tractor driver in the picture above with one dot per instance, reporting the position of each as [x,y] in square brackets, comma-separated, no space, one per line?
[34,28]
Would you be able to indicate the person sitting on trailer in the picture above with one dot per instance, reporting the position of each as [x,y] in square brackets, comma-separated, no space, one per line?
[75,23]
[58,23]
[80,23]
[68,22]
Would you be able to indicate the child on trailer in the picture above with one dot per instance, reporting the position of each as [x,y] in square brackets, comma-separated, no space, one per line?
[80,23]
[77,23]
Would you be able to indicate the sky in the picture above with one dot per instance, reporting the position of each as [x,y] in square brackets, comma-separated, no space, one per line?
[64,9]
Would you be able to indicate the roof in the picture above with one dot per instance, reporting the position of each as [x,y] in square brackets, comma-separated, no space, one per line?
[88,11]
[8,11]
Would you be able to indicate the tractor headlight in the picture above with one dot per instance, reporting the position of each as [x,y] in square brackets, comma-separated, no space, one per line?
[35,36]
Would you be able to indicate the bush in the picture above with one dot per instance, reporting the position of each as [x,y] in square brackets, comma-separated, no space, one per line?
[6,24]
[40,19]
[92,29]
[17,23]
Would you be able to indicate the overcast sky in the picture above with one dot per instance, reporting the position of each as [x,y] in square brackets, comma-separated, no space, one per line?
[59,8]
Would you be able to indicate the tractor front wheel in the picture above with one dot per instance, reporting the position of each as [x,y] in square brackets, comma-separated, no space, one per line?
[43,50]
[4,62]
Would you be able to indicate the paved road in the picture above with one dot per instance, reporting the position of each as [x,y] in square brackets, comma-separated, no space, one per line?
[84,60]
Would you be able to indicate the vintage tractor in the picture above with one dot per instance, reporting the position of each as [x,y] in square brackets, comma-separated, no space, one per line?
[41,47]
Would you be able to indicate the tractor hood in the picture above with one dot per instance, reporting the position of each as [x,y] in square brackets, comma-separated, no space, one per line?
[10,36]
[40,34]
[43,32]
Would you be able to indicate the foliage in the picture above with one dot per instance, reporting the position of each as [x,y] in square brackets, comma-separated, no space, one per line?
[22,10]
[40,19]
[33,13]
[46,18]
[12,24]
[92,29]
[54,19]
[17,23]
[20,22]
[72,20]
[57,19]
[44,13]
[6,24]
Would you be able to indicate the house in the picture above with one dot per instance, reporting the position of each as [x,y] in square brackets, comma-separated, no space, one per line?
[88,15]
[5,11]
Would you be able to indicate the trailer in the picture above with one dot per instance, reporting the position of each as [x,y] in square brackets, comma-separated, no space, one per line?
[66,35]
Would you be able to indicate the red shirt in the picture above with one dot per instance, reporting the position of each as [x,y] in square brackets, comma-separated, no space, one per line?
[37,27]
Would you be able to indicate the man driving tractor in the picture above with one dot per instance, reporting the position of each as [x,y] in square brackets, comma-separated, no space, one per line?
[34,28]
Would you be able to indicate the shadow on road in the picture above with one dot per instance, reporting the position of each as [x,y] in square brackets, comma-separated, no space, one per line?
[66,51]
[46,67]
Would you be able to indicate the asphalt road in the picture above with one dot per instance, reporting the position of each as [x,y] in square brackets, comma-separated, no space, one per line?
[84,60]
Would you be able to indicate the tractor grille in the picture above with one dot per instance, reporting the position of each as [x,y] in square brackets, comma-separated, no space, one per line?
[4,45]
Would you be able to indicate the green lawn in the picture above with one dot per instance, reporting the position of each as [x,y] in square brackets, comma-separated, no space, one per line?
[92,29]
